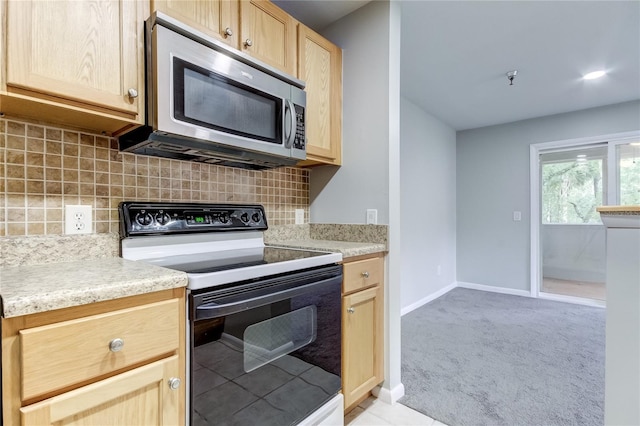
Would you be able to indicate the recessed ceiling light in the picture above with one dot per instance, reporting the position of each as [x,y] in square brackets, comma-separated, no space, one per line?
[593,75]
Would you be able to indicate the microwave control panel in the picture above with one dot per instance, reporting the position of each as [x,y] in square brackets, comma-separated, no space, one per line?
[300,140]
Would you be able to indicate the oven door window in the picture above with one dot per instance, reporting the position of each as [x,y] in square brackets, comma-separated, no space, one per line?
[272,364]
[209,100]
[271,339]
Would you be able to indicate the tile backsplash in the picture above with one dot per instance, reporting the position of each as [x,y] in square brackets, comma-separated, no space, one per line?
[43,168]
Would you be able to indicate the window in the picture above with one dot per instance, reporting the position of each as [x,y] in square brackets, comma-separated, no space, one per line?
[573,185]
[629,173]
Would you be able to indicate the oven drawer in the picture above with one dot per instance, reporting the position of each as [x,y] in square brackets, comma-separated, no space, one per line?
[362,274]
[71,352]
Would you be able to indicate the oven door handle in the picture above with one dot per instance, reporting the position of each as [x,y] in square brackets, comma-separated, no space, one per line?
[214,310]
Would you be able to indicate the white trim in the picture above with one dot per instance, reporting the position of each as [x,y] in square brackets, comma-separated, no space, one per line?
[494,289]
[534,214]
[429,298]
[572,299]
[566,143]
[534,183]
[390,396]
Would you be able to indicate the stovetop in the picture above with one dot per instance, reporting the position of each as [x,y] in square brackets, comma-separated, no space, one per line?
[214,244]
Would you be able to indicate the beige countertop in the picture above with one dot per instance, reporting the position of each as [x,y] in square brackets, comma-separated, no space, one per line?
[30,289]
[44,273]
[632,210]
[350,240]
[347,248]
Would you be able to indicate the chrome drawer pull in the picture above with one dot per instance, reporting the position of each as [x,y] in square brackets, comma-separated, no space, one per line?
[351,310]
[116,345]
[174,383]
[365,274]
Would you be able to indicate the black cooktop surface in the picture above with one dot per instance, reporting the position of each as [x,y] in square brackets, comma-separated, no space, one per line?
[231,259]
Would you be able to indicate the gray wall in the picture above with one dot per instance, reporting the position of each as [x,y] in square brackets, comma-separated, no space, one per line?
[428,201]
[342,195]
[493,181]
[370,39]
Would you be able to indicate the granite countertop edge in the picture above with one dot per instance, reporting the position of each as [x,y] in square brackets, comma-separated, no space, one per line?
[348,249]
[40,288]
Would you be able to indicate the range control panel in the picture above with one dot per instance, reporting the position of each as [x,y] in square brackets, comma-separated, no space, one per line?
[146,218]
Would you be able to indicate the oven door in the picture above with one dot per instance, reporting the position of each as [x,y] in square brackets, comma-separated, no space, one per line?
[266,352]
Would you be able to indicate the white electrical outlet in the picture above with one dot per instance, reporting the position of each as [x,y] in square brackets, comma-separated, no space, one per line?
[299,216]
[517,216]
[77,219]
[372,216]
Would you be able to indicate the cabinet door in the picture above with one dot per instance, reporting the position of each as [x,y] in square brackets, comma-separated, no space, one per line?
[320,66]
[76,52]
[218,18]
[138,397]
[362,343]
[268,34]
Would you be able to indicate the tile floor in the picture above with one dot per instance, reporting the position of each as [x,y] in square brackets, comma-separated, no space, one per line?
[372,412]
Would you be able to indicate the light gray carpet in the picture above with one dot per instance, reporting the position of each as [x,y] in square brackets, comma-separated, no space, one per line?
[477,358]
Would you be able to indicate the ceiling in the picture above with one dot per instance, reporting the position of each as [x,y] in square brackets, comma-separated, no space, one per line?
[455,55]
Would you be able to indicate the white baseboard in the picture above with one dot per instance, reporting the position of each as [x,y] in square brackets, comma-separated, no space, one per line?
[429,298]
[389,396]
[493,289]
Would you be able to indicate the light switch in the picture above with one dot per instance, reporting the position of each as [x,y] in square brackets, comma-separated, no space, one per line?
[517,216]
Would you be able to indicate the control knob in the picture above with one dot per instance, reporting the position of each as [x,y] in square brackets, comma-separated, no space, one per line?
[163,218]
[255,217]
[143,218]
[244,217]
[224,217]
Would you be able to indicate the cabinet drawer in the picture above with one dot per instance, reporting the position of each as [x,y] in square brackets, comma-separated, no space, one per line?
[362,274]
[63,354]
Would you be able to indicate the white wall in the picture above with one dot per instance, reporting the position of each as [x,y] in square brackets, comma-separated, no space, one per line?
[342,195]
[428,203]
[493,181]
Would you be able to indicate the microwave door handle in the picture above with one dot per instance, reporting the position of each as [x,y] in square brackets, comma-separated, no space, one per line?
[290,137]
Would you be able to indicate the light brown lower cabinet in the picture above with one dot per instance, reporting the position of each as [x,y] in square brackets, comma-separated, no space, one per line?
[362,329]
[138,397]
[116,362]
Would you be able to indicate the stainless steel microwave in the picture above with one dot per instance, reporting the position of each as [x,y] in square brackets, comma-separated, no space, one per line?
[208,102]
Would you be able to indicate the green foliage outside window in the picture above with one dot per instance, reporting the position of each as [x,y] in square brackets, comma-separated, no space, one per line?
[629,174]
[571,191]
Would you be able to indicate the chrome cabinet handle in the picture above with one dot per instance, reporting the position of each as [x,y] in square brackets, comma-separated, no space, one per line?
[365,274]
[133,93]
[174,383]
[351,310]
[116,345]
[228,32]
[248,42]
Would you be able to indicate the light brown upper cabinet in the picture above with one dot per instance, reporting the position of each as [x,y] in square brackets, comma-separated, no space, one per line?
[268,34]
[78,63]
[218,18]
[320,66]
